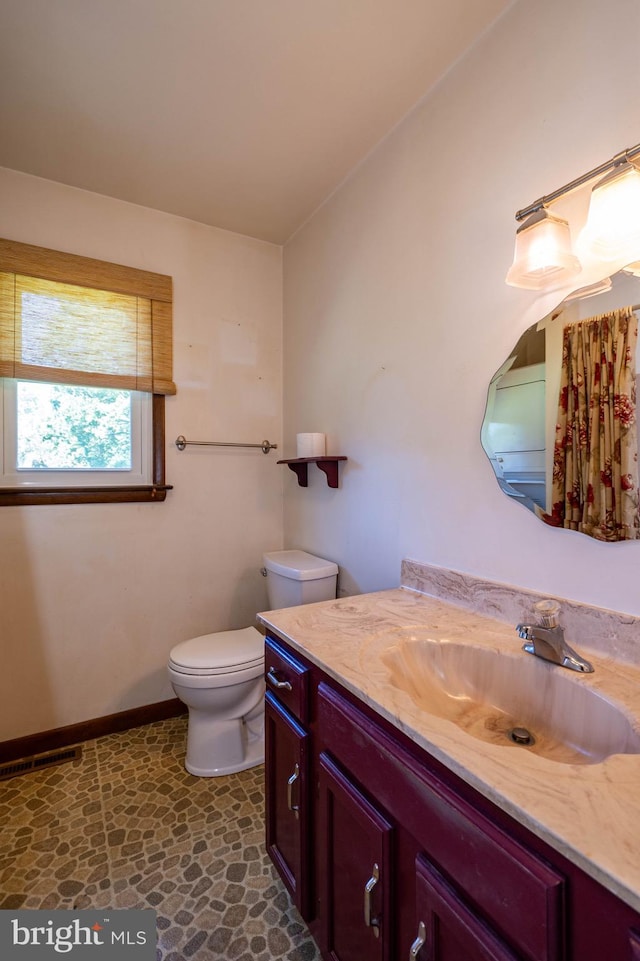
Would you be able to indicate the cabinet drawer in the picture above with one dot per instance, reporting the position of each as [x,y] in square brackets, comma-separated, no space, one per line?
[287,678]
[520,895]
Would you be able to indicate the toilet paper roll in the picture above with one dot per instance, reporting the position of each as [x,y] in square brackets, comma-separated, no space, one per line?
[311,445]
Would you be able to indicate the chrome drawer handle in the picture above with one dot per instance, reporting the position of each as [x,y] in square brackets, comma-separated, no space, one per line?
[373,923]
[419,942]
[292,780]
[272,678]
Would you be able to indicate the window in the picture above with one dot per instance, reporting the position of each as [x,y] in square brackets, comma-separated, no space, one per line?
[69,436]
[85,364]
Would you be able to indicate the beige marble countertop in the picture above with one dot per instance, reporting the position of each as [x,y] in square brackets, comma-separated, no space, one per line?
[589,812]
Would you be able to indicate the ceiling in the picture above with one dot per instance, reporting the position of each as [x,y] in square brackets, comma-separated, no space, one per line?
[242,114]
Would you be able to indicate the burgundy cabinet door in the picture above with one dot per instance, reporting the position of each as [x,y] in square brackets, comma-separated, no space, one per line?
[287,800]
[446,929]
[354,841]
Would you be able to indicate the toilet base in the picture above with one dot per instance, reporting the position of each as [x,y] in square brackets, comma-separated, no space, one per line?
[224,747]
[253,757]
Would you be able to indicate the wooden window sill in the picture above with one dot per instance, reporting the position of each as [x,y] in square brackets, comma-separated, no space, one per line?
[16,496]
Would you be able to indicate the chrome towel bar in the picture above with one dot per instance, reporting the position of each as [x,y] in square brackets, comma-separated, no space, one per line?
[182,442]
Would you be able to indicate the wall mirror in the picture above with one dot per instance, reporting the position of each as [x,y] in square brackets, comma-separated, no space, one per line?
[521,431]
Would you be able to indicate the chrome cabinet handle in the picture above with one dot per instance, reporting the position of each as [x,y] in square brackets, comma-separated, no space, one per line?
[419,942]
[373,923]
[292,780]
[272,678]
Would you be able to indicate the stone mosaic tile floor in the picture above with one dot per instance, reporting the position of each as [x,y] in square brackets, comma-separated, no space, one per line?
[126,826]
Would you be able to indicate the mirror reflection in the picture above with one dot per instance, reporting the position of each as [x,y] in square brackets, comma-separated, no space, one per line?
[560,426]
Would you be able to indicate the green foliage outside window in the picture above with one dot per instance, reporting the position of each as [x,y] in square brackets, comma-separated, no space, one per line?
[62,427]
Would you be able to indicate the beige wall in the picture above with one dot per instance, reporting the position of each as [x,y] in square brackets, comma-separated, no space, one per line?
[92,597]
[397,315]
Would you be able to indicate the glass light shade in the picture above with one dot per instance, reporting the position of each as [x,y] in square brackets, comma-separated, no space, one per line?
[543,256]
[632,269]
[612,230]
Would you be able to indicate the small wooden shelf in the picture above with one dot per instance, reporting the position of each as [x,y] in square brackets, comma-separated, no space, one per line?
[327,464]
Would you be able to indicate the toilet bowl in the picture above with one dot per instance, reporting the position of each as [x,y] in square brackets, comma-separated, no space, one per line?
[220,676]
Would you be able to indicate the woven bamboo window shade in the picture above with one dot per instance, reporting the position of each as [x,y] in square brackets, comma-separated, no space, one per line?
[73,320]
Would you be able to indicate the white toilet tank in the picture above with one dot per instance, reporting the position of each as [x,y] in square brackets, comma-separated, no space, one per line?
[295,577]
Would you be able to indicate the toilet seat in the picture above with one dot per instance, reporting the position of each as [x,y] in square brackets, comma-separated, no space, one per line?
[224,652]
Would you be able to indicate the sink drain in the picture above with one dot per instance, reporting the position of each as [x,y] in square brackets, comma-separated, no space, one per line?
[520,735]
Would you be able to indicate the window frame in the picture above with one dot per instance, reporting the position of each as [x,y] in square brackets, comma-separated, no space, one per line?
[96,494]
[71,268]
[26,478]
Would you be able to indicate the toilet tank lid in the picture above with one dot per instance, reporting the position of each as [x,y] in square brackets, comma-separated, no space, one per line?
[222,651]
[299,565]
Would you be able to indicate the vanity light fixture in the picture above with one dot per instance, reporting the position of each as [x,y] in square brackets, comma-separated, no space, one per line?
[544,258]
[612,230]
[632,269]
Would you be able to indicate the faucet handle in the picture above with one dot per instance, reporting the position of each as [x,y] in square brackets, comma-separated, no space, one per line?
[547,611]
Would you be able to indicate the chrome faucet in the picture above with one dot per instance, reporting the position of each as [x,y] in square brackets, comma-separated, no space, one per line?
[546,640]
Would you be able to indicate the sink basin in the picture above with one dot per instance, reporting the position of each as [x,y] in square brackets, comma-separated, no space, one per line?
[490,694]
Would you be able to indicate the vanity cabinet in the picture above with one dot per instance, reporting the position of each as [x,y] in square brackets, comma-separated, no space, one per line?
[478,893]
[400,859]
[287,773]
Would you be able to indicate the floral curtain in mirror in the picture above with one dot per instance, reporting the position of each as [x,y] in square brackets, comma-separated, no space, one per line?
[595,467]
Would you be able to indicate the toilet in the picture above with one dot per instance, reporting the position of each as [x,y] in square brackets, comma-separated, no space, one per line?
[220,677]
